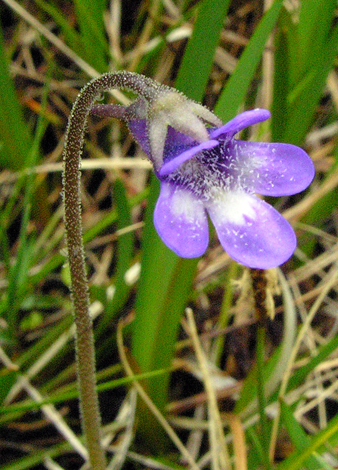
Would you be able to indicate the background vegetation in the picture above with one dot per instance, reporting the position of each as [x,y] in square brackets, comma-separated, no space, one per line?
[232,404]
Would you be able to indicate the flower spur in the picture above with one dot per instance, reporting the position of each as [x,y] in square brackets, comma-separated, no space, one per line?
[206,171]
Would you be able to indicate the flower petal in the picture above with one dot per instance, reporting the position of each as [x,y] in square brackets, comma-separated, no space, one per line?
[243,120]
[173,164]
[181,221]
[271,169]
[251,231]
[178,147]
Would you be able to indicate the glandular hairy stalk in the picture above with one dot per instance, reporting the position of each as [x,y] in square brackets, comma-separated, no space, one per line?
[85,351]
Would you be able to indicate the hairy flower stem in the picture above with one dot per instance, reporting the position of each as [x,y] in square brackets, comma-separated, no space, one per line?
[90,415]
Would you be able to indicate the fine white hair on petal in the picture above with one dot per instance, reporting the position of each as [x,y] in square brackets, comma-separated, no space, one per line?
[252,231]
[235,207]
[184,206]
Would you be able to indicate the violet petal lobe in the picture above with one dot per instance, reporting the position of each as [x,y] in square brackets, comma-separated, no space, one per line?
[173,164]
[178,147]
[243,120]
[251,231]
[181,221]
[271,169]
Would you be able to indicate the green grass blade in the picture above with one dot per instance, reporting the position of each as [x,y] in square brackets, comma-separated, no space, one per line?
[297,434]
[280,86]
[58,259]
[323,208]
[201,47]
[112,217]
[324,352]
[39,456]
[305,97]
[17,285]
[72,37]
[300,75]
[257,452]
[162,295]
[90,43]
[297,459]
[315,22]
[62,397]
[237,87]
[165,279]
[249,391]
[28,357]
[160,301]
[15,139]
[125,249]
[90,17]
[300,374]
[7,380]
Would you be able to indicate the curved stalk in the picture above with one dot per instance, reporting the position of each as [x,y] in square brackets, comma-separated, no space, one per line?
[85,351]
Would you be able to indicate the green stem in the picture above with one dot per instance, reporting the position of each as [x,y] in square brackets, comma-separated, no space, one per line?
[90,415]
[85,349]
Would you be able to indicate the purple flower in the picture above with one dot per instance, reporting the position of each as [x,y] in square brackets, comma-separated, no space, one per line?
[206,171]
[220,177]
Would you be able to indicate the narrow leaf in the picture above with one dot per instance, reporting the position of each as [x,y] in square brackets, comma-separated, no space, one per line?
[199,54]
[237,87]
[15,139]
